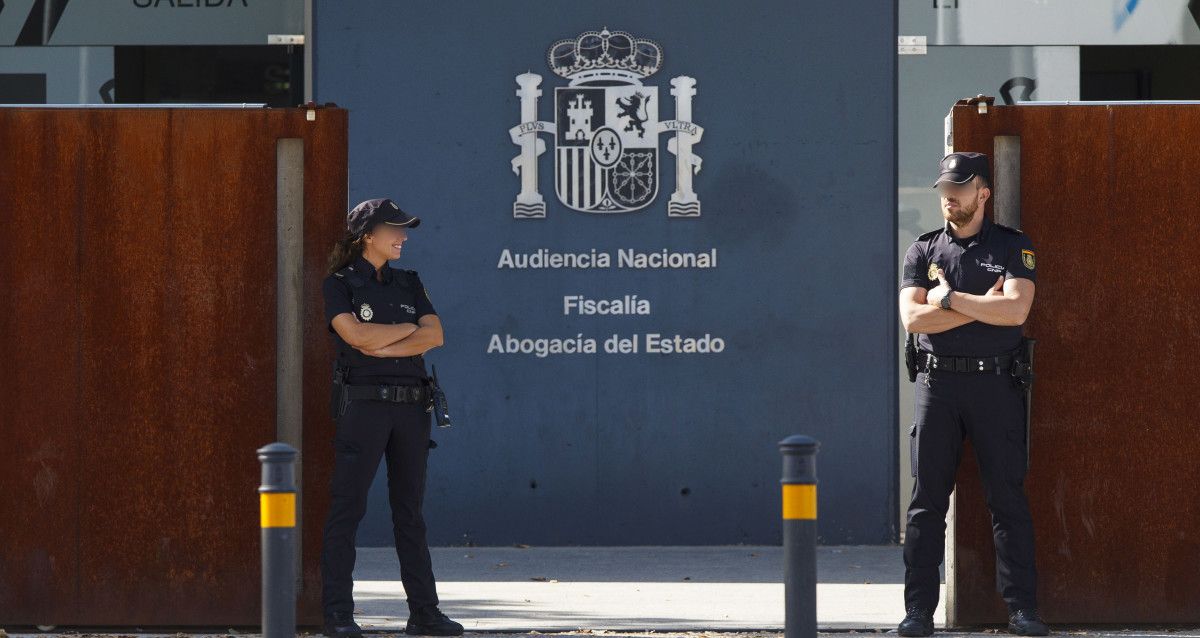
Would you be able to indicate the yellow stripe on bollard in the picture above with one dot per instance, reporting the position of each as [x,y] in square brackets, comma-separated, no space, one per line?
[278,509]
[799,502]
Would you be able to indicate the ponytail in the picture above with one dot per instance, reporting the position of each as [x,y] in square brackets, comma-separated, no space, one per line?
[344,252]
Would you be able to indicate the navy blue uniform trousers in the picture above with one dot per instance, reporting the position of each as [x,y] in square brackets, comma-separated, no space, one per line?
[989,409]
[399,432]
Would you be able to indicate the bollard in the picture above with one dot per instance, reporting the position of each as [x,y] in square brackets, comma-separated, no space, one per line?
[799,535]
[277,505]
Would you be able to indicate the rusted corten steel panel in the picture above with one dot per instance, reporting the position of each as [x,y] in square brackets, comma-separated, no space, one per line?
[137,328]
[1108,196]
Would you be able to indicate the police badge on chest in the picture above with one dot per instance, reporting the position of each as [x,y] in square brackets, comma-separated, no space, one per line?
[365,313]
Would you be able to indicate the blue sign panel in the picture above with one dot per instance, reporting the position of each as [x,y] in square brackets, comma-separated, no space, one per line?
[660,237]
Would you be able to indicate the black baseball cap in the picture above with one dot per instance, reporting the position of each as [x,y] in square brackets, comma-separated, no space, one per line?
[368,214]
[961,168]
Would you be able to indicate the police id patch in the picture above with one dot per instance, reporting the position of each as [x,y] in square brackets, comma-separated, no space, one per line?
[1027,259]
[365,312]
[933,268]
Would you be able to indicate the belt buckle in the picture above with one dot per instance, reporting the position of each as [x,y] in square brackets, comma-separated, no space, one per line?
[384,391]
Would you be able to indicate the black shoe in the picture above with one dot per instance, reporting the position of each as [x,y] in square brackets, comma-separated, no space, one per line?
[430,621]
[917,622]
[340,624]
[1025,622]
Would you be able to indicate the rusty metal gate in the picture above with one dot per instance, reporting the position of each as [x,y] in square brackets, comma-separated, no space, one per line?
[152,336]
[1108,194]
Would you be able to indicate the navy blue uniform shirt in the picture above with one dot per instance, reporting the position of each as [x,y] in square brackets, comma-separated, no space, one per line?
[399,298]
[972,265]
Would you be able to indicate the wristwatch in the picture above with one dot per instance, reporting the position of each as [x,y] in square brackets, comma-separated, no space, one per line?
[945,302]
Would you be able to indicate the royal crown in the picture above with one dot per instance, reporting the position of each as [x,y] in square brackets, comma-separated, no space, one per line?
[605,54]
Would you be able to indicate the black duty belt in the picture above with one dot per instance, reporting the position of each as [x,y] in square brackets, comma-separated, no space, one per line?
[929,362]
[389,393]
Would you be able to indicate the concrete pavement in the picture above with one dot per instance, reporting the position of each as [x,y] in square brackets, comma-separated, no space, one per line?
[546,589]
[636,592]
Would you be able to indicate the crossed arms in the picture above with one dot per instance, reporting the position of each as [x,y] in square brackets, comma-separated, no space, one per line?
[390,340]
[1006,304]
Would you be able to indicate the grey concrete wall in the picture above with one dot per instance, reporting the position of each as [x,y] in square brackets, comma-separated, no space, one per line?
[797,188]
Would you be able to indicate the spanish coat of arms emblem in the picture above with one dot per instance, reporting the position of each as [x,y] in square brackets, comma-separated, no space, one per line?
[605,129]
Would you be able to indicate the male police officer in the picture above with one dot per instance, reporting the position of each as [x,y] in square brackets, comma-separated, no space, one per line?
[967,289]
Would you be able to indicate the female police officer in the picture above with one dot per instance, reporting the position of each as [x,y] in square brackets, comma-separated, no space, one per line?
[383,322]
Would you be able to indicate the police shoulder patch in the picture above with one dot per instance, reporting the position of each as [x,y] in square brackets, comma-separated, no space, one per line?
[1027,258]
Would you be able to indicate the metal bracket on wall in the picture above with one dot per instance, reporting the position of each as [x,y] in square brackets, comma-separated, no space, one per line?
[911,45]
[278,38]
[981,102]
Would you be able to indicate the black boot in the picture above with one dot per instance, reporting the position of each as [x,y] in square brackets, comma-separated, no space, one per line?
[1025,622]
[430,621]
[917,622]
[340,624]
